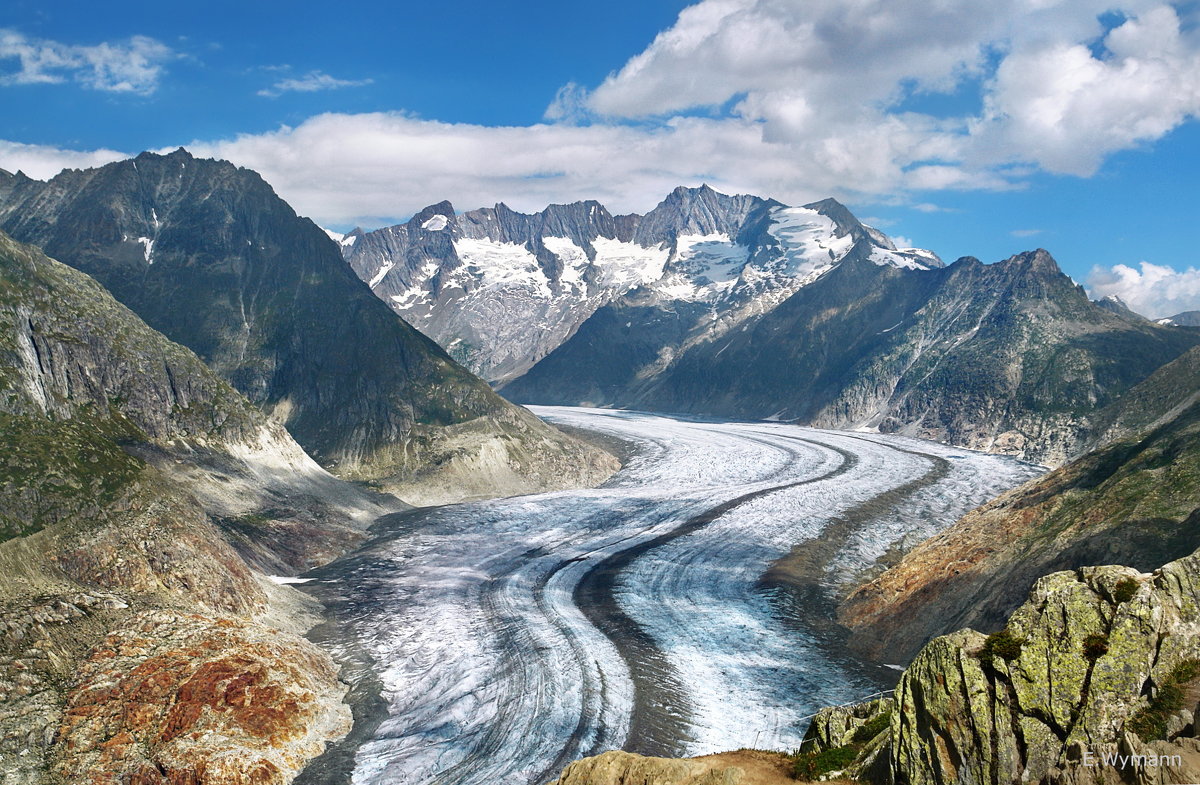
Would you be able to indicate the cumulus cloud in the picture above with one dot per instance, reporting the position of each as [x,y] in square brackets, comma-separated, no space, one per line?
[1152,290]
[42,162]
[311,82]
[791,100]
[132,66]
[1051,88]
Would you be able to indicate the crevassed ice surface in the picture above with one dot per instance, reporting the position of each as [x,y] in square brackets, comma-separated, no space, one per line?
[490,671]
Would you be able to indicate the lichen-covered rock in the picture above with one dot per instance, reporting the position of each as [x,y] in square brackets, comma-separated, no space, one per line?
[175,698]
[835,726]
[625,768]
[1079,660]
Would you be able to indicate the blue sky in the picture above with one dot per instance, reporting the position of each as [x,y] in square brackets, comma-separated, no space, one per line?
[1065,124]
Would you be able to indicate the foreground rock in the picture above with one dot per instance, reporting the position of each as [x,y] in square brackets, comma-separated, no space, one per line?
[174,698]
[1094,680]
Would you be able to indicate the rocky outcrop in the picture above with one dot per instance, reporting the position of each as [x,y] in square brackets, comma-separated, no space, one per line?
[1133,502]
[625,768]
[743,767]
[207,254]
[1063,689]
[1095,679]
[173,699]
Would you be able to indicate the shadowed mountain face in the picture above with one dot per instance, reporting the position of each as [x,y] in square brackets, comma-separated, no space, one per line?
[96,404]
[1010,357]
[207,254]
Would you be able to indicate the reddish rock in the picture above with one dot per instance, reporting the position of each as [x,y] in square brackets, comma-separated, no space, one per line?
[194,700]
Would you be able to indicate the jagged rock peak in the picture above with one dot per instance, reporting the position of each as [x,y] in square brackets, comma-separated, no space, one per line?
[178,154]
[1114,304]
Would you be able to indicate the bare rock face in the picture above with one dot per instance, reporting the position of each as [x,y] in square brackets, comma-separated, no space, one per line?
[625,768]
[177,698]
[166,548]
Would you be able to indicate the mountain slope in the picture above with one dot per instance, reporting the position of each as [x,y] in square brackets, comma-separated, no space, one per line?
[500,289]
[207,254]
[139,495]
[1134,502]
[1010,357]
[1185,319]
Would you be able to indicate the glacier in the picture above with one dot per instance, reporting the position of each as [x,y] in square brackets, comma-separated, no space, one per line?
[479,617]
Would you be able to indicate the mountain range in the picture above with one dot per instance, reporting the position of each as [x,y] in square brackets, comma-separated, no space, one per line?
[209,255]
[738,306]
[501,289]
[166,386]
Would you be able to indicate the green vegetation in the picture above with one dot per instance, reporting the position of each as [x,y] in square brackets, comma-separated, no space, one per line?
[1124,590]
[1151,722]
[871,728]
[51,470]
[1095,646]
[810,765]
[1001,644]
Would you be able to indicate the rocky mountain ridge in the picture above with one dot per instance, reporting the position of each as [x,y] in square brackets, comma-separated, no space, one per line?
[206,253]
[501,289]
[1010,357]
[1185,319]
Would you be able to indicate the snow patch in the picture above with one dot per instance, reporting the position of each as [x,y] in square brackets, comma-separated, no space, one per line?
[380,274]
[435,223]
[809,240]
[908,259]
[147,249]
[344,240]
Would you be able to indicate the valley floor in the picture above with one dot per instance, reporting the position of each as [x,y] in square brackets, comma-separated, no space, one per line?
[513,636]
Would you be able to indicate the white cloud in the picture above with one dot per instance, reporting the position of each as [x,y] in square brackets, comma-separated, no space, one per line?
[1153,290]
[801,100]
[1058,105]
[1025,232]
[832,81]
[311,82]
[374,168]
[132,66]
[43,162]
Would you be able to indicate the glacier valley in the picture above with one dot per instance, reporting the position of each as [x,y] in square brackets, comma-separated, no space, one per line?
[510,637]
